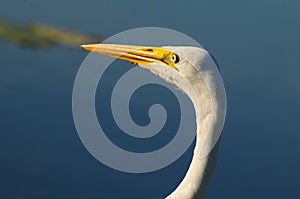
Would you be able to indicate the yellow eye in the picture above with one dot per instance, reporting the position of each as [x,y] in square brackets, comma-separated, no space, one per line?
[175,58]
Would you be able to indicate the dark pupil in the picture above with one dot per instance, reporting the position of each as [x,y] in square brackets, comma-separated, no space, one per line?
[175,58]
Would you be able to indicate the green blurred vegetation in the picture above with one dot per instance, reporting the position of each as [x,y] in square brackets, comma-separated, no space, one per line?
[36,35]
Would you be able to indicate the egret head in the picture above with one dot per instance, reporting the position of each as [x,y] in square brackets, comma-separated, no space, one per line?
[175,64]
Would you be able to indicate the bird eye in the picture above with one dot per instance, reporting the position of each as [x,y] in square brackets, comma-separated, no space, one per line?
[175,58]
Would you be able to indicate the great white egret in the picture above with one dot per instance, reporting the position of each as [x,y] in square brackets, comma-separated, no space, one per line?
[195,72]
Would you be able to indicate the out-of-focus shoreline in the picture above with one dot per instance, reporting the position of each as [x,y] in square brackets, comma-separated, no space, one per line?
[41,36]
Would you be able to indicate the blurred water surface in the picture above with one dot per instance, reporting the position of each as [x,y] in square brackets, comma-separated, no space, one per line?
[257,46]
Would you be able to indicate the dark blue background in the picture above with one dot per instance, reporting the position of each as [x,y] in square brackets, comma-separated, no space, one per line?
[257,46]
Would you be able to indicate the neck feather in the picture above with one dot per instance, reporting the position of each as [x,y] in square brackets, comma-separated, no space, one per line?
[207,93]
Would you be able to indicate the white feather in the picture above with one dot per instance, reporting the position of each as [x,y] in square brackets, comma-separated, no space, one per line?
[200,79]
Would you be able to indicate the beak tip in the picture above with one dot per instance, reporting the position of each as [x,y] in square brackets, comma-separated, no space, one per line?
[88,47]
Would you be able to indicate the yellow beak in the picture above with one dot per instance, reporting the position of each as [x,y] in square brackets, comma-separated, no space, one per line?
[141,55]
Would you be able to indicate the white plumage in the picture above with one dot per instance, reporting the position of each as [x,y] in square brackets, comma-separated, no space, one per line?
[193,71]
